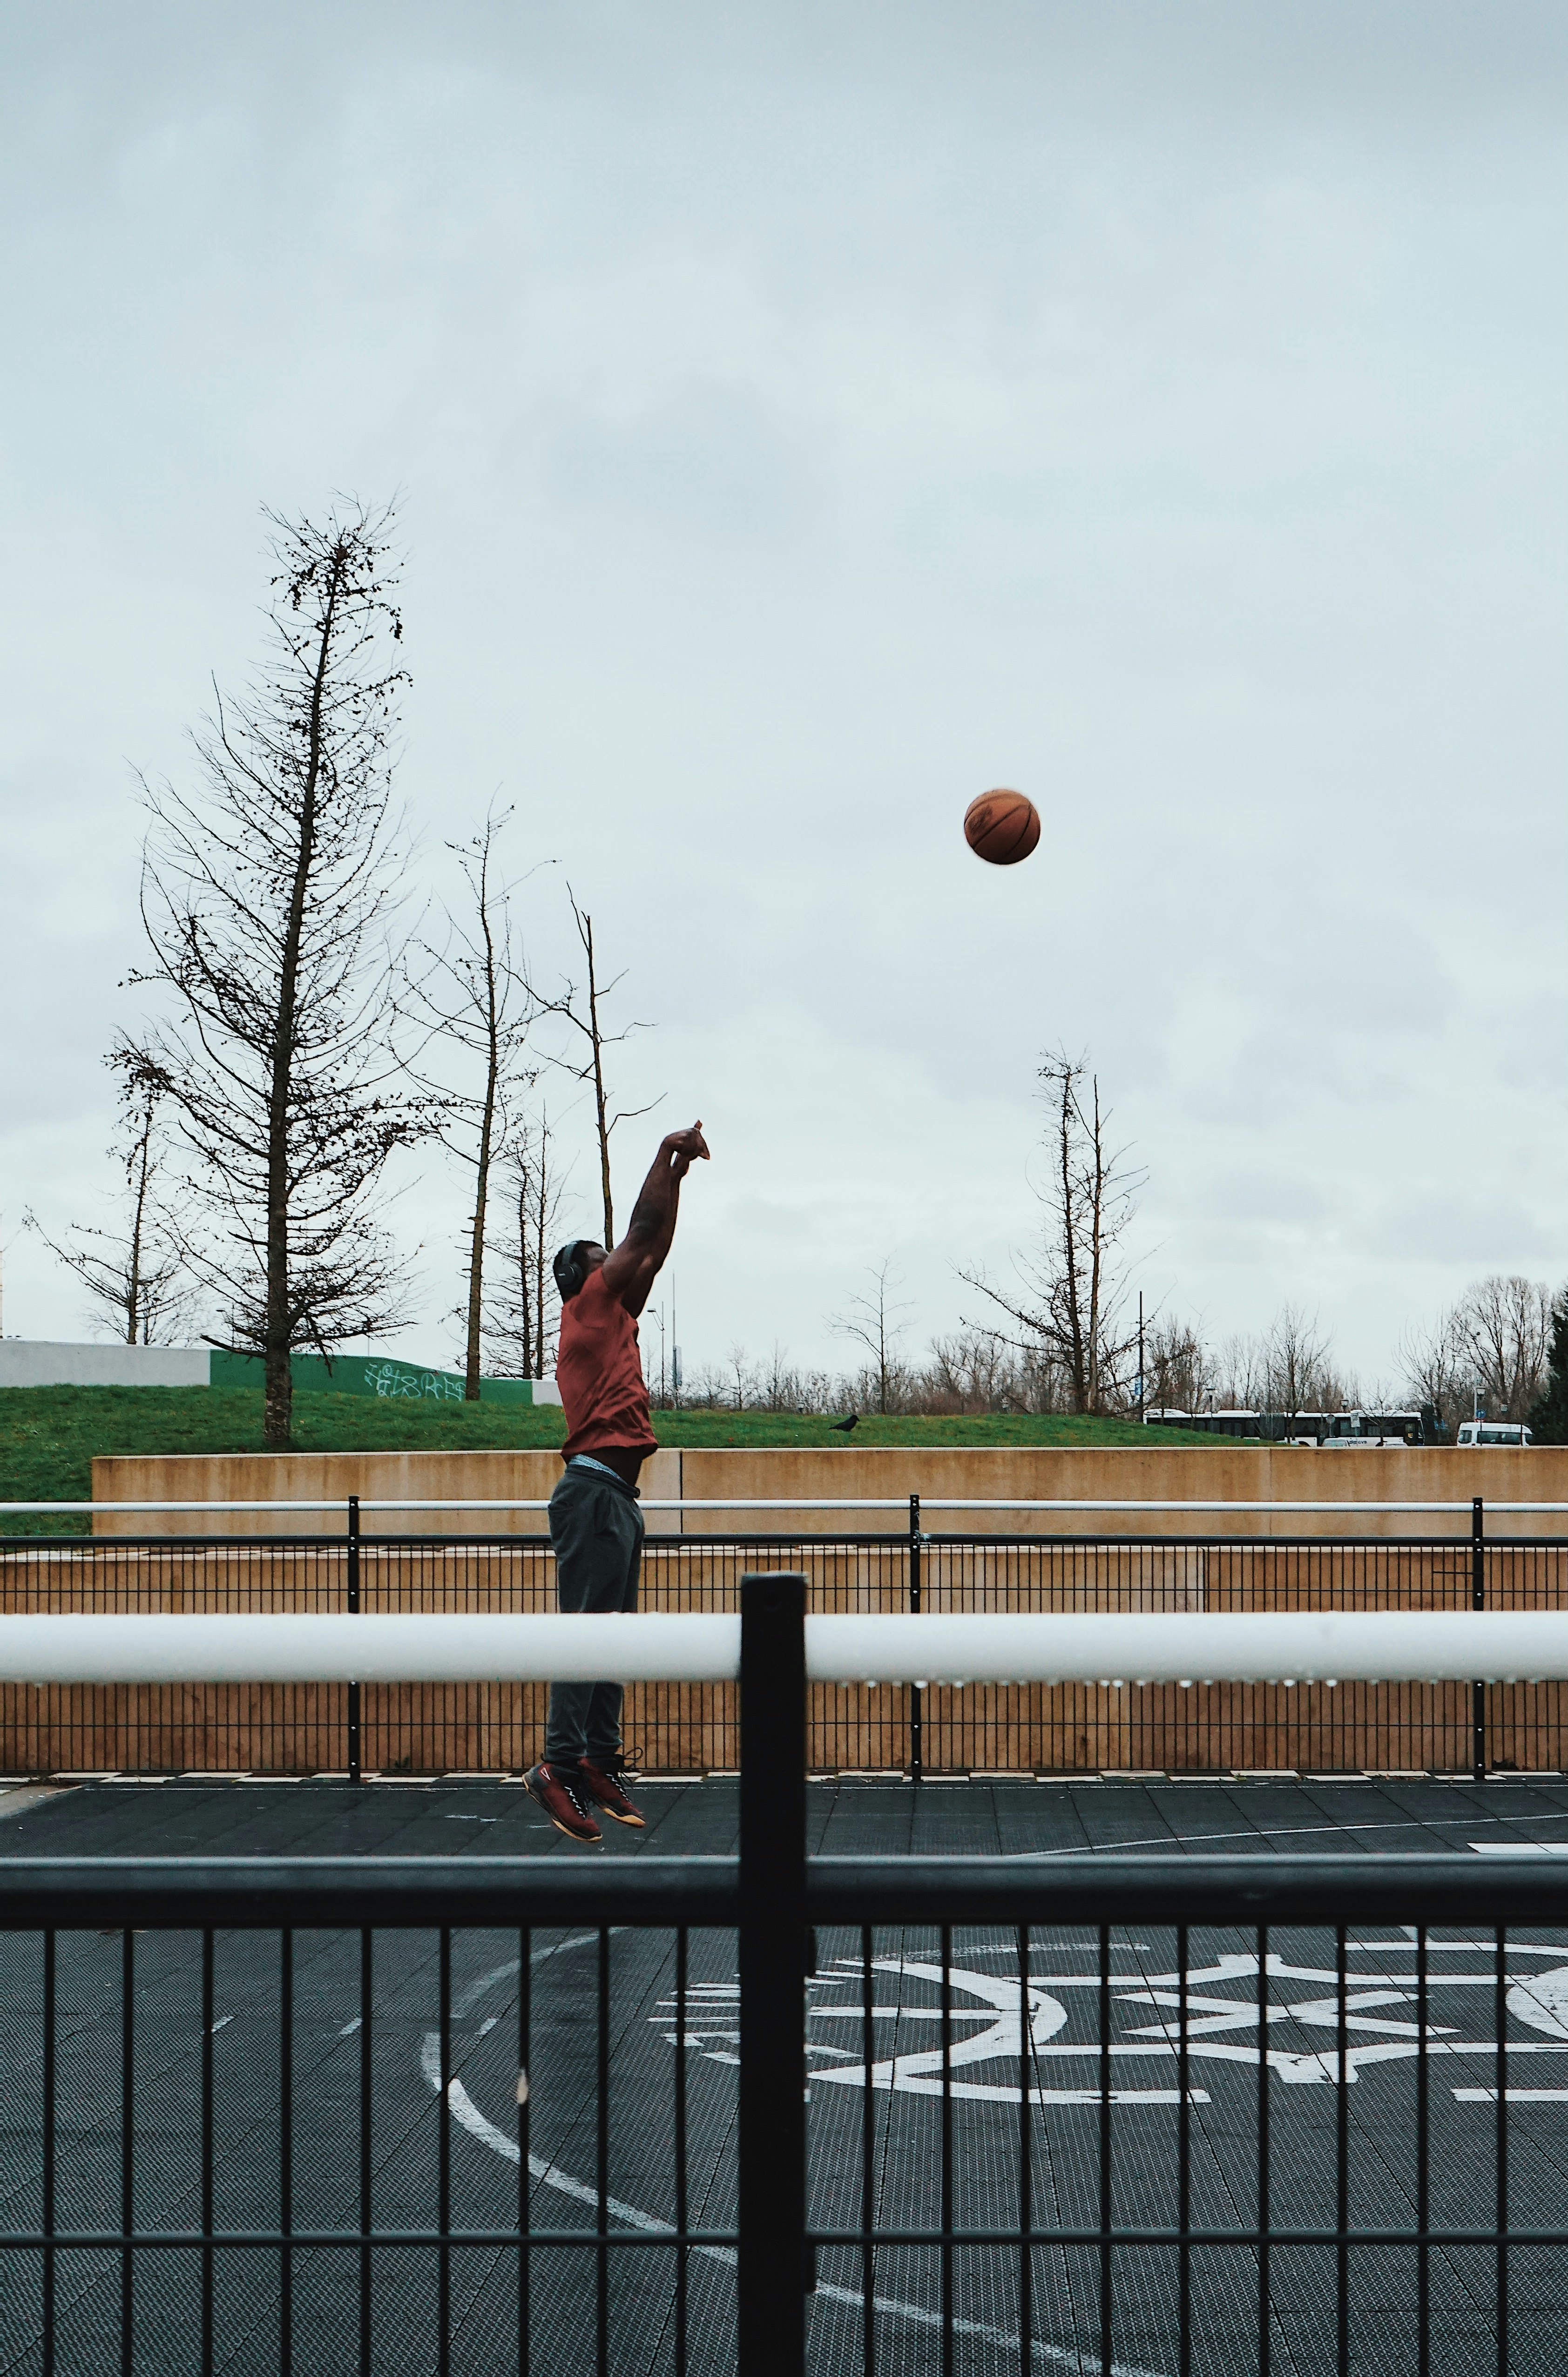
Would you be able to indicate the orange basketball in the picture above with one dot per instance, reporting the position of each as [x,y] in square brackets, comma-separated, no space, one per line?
[1001,826]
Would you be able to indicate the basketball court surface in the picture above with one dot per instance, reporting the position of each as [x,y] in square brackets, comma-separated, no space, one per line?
[627,1981]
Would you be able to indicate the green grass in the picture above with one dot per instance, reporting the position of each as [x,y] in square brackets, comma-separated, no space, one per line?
[48,1435]
[758,1428]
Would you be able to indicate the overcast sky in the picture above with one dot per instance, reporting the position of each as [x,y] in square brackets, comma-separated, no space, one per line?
[804,418]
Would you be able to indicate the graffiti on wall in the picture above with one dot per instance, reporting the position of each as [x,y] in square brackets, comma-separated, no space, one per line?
[401,1380]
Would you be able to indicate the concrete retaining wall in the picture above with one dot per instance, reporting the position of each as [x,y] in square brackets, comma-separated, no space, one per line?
[332,1477]
[1251,1479]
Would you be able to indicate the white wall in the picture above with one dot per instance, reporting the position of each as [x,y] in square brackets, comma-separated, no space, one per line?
[42,1362]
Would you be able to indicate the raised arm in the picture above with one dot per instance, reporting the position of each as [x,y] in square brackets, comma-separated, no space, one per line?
[630,1270]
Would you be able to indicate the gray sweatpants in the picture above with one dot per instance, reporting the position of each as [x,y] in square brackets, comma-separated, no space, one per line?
[596,1529]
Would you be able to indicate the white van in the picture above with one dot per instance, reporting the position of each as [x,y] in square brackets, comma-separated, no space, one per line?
[1495,1431]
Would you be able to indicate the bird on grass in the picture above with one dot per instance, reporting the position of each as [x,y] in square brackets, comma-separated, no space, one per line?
[846,1427]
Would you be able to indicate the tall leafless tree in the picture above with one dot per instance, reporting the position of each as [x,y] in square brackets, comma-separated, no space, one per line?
[1491,1348]
[1437,1368]
[268,896]
[523,1310]
[1504,1326]
[874,1319]
[579,1006]
[738,1365]
[1295,1361]
[134,1274]
[1072,1313]
[1178,1365]
[472,999]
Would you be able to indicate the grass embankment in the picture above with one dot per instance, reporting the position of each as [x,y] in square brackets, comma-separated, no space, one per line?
[48,1435]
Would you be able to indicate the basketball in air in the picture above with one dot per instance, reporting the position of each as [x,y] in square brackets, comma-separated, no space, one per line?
[1001,826]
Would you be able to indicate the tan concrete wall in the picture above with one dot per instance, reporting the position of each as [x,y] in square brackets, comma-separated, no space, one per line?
[1238,1473]
[332,1478]
[1249,1477]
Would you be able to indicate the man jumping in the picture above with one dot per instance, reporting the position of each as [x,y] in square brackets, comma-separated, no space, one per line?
[596,1525]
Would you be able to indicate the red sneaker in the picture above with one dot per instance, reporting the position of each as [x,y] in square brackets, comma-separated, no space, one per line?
[602,1784]
[560,1792]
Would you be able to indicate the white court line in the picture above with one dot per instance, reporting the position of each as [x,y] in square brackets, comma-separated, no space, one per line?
[1513,2095]
[467,2114]
[1520,1849]
[1295,1832]
[475,1989]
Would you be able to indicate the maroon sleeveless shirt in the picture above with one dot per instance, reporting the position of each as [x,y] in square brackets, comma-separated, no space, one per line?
[599,1374]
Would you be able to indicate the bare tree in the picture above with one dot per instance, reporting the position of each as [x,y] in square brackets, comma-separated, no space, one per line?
[973,1370]
[1504,1326]
[1178,1369]
[472,998]
[1436,1366]
[268,896]
[581,1007]
[1241,1373]
[875,1320]
[779,1383]
[1070,1312]
[522,1314]
[1295,1361]
[740,1370]
[133,1276]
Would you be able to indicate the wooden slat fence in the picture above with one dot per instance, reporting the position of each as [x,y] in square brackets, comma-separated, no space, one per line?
[680,1729]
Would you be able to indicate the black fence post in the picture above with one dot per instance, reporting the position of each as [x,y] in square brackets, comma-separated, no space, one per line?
[917,1719]
[354,1612]
[1478,1601]
[774,1947]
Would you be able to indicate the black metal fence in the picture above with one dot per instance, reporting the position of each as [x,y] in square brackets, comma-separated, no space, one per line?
[685,1728]
[776,2114]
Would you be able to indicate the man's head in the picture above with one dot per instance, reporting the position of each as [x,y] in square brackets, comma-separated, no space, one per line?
[573,1264]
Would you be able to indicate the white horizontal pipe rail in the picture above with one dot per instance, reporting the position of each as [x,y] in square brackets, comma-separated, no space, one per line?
[785,1502]
[1115,1649]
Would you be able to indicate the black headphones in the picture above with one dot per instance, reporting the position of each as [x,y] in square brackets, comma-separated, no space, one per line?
[570,1269]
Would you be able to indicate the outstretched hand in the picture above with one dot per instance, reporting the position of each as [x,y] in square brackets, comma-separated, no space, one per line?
[683,1148]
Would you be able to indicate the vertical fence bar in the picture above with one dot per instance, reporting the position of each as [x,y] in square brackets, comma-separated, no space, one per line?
[1478,1601]
[917,1718]
[1105,2152]
[48,2204]
[1423,2168]
[601,2159]
[128,2148]
[868,2165]
[1184,2160]
[1025,2158]
[444,2167]
[207,2022]
[772,2274]
[366,2205]
[1499,2004]
[286,2151]
[682,2249]
[1342,2156]
[947,2192]
[1265,2316]
[524,2210]
[354,1767]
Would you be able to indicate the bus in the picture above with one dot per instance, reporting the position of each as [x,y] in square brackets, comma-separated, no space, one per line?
[1360,1431]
